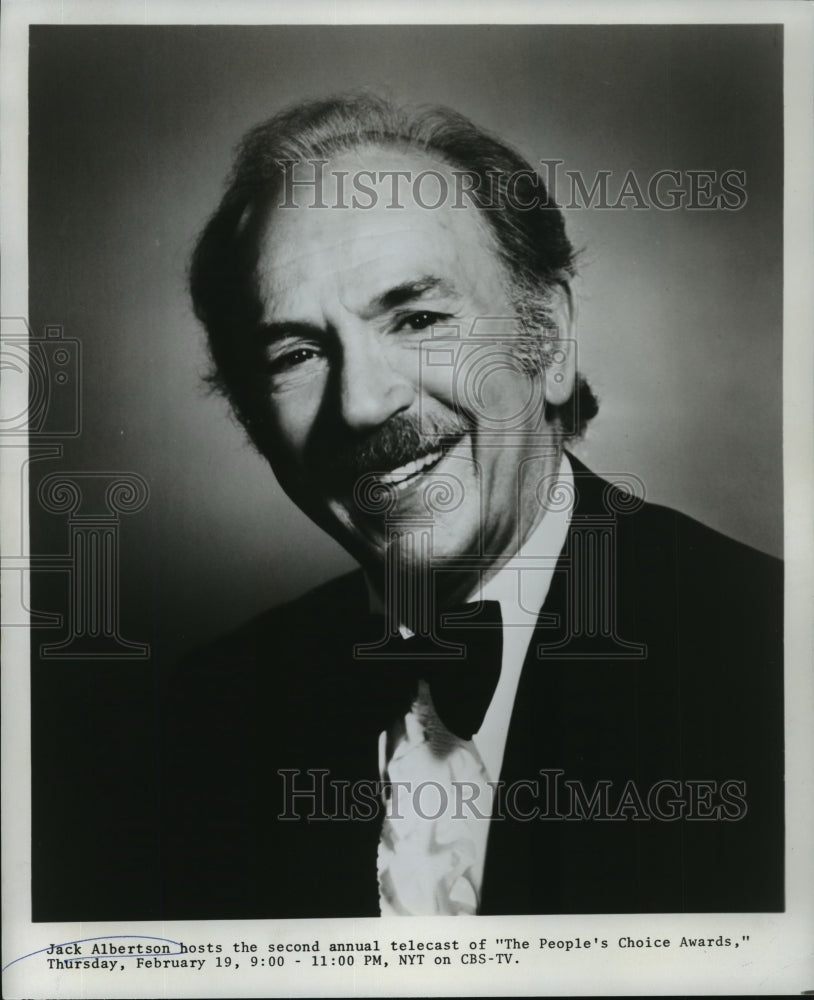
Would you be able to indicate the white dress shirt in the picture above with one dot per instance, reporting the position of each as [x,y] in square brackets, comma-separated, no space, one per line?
[431,858]
[521,587]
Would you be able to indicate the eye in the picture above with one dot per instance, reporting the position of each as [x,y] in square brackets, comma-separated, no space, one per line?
[293,360]
[421,320]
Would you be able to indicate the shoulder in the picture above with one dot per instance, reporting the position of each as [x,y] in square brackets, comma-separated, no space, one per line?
[693,541]
[328,602]
[667,573]
[275,635]
[662,534]
[701,561]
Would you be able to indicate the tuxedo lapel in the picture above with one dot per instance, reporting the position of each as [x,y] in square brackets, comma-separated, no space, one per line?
[575,717]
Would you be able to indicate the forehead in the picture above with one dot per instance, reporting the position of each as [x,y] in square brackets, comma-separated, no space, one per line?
[355,249]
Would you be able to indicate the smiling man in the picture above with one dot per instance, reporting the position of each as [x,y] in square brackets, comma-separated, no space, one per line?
[539,694]
[351,300]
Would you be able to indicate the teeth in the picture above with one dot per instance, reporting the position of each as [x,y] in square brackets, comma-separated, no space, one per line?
[398,476]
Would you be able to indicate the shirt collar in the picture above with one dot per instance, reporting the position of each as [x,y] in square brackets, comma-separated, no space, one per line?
[540,552]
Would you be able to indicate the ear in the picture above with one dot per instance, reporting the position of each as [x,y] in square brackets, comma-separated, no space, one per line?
[560,353]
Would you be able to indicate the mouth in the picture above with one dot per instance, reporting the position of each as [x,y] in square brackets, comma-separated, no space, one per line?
[361,515]
[404,476]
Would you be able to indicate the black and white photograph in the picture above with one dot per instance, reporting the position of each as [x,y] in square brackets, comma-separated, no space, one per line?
[406,445]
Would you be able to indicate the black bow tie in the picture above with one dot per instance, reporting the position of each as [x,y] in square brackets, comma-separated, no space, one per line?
[459,658]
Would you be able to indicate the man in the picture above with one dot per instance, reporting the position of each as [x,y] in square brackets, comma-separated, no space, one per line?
[539,693]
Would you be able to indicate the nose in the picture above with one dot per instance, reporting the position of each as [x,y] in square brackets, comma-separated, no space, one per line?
[371,390]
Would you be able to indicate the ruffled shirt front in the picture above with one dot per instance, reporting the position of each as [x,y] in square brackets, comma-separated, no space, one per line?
[439,788]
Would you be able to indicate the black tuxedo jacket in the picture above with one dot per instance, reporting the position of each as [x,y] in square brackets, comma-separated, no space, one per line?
[644,763]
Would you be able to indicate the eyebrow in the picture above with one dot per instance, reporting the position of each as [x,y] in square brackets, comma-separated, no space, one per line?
[408,291]
[393,298]
[269,333]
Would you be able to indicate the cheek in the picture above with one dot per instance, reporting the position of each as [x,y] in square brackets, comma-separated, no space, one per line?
[463,375]
[436,377]
[513,400]
[485,383]
[293,417]
[501,398]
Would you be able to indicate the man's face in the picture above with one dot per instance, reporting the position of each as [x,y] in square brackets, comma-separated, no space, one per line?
[394,373]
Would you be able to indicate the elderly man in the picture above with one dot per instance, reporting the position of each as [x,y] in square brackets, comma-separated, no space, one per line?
[539,693]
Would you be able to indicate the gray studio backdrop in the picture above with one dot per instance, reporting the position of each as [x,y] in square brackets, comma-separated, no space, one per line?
[680,312]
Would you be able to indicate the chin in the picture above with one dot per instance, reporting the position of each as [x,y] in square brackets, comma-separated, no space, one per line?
[430,545]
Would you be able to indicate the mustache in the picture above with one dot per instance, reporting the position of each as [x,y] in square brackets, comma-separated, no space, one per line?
[401,440]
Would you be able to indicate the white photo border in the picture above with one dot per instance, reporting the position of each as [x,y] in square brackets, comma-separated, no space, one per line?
[779,959]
